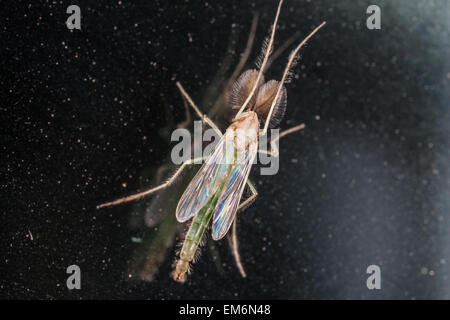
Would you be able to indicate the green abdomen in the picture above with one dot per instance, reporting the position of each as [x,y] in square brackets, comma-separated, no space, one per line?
[195,233]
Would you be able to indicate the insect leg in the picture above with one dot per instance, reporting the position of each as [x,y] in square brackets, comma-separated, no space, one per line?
[233,241]
[234,246]
[273,147]
[243,205]
[152,190]
[185,123]
[203,116]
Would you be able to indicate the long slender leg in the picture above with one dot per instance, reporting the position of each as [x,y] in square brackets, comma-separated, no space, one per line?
[180,169]
[233,241]
[203,116]
[243,205]
[273,147]
[152,190]
[187,114]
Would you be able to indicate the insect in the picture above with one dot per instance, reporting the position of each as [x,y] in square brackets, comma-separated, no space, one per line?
[216,190]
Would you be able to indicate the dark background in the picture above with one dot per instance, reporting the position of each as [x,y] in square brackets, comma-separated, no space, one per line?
[84,113]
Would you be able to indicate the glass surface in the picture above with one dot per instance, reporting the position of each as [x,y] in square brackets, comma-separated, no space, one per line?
[87,117]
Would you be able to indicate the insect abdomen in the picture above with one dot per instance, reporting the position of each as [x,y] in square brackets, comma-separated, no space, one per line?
[195,234]
[190,245]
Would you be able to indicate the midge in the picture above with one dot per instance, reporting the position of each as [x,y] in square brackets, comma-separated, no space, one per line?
[215,191]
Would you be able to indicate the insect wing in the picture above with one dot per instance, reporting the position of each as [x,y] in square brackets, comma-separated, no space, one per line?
[204,184]
[228,203]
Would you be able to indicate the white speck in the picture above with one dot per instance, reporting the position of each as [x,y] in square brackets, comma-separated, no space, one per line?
[136,239]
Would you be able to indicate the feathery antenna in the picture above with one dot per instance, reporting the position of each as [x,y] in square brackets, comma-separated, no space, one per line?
[286,72]
[263,65]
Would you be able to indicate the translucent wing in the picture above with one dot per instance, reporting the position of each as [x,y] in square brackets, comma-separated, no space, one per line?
[228,202]
[204,184]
